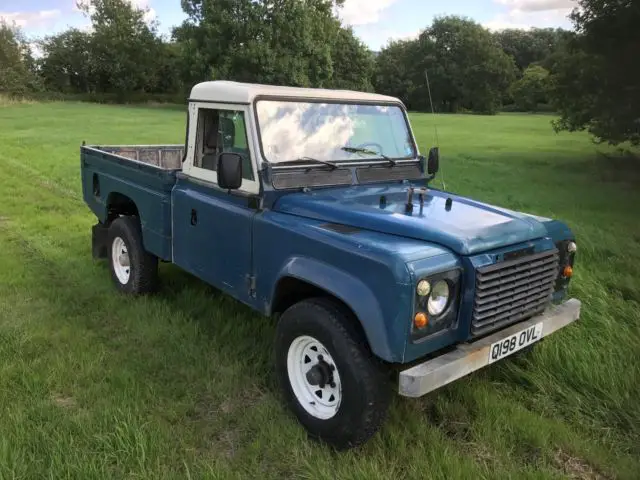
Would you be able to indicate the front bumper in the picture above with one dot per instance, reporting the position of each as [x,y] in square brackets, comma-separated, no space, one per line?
[469,357]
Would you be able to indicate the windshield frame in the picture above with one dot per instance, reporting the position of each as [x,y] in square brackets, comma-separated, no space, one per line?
[336,101]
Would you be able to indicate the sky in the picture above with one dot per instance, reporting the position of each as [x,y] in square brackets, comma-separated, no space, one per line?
[374,21]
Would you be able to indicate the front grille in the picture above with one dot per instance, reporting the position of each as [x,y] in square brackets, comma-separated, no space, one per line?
[512,291]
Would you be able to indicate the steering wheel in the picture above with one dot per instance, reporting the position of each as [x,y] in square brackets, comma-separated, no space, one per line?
[372,144]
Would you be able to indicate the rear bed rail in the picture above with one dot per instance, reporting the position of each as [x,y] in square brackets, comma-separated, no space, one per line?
[167,157]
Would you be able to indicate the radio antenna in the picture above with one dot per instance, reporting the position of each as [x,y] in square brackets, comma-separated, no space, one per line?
[435,125]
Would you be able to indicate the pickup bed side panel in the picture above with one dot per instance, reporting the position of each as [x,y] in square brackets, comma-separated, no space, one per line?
[360,276]
[106,176]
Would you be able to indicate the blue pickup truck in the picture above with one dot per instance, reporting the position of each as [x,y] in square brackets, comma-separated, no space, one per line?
[314,207]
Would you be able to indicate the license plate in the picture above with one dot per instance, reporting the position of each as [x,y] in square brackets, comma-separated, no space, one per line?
[515,342]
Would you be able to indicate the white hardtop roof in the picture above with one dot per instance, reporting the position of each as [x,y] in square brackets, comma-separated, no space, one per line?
[236,92]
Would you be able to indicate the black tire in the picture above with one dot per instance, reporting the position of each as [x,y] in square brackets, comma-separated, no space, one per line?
[143,274]
[364,383]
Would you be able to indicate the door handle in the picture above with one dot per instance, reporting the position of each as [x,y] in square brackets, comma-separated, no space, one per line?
[194,217]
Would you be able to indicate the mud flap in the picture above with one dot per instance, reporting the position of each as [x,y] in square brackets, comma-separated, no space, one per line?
[99,240]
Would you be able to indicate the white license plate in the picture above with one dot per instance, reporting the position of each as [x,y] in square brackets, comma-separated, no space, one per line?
[515,342]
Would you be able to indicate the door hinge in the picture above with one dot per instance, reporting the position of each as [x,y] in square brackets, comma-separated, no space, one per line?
[251,284]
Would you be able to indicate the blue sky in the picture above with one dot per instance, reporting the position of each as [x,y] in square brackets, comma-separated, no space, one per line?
[374,21]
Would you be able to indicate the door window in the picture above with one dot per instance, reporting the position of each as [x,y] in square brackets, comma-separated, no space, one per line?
[221,131]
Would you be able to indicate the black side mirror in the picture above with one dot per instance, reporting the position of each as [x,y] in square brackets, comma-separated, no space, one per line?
[229,170]
[433,163]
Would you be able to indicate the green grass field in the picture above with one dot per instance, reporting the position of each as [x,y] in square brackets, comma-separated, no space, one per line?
[180,384]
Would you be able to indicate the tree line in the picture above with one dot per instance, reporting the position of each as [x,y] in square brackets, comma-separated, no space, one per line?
[587,75]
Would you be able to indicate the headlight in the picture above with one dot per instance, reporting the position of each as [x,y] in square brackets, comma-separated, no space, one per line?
[423,288]
[572,247]
[439,298]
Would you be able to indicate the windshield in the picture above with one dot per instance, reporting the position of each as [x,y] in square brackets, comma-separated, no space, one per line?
[291,130]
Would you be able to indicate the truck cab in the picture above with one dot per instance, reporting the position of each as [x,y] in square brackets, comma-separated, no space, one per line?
[315,207]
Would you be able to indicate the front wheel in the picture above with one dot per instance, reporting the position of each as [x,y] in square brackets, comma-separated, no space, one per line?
[334,385]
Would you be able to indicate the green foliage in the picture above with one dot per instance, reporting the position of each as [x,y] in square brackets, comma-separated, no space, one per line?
[596,77]
[352,61]
[531,46]
[397,74]
[467,68]
[67,62]
[288,42]
[17,68]
[124,47]
[122,54]
[531,89]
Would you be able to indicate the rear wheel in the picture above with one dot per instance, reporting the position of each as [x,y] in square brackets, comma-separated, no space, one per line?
[133,269]
[331,381]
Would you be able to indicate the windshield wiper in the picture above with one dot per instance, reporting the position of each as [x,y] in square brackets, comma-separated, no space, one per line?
[366,151]
[304,160]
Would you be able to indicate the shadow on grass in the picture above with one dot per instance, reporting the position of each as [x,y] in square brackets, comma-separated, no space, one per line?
[621,166]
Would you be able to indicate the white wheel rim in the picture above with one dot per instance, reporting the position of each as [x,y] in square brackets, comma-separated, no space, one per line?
[321,401]
[120,260]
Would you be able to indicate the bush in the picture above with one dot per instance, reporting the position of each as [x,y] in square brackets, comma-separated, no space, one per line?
[531,90]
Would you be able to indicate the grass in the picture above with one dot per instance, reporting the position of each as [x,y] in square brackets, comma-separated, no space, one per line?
[180,385]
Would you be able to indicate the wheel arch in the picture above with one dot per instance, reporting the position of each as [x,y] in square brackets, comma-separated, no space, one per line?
[304,278]
[291,290]
[120,204]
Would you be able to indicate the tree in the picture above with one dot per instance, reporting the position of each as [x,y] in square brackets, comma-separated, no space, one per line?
[471,63]
[532,89]
[397,74]
[531,46]
[353,63]
[467,68]
[66,64]
[17,75]
[124,50]
[595,84]
[290,42]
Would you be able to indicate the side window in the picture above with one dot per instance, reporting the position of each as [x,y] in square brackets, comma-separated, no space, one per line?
[221,131]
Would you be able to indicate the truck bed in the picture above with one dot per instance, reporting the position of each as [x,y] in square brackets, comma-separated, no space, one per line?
[140,177]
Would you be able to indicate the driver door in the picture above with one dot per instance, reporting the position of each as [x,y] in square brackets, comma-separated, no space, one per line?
[212,228]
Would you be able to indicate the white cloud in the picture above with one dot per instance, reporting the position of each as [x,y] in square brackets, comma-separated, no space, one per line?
[537,5]
[30,19]
[384,37]
[36,50]
[404,35]
[524,14]
[362,12]
[502,22]
[377,37]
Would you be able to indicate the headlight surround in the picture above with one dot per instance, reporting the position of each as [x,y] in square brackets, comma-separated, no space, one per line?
[439,298]
[440,305]
[567,252]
